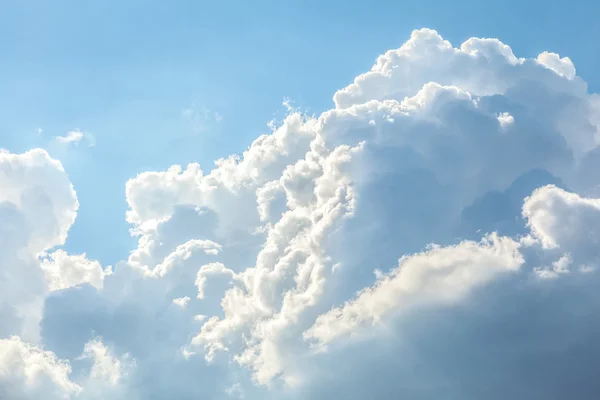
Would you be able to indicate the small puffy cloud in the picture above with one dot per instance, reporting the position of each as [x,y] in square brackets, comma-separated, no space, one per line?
[505,119]
[71,137]
[76,137]
[182,301]
[560,266]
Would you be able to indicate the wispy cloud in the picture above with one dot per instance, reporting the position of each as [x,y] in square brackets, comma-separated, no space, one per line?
[71,137]
[75,137]
[201,119]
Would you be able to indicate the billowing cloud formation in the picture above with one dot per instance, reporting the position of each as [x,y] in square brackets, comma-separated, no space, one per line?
[394,233]
[37,208]
[437,275]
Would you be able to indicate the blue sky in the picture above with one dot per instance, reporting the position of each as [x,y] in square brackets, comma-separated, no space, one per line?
[421,212]
[126,71]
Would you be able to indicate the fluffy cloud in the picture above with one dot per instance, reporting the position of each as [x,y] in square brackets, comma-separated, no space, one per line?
[182,301]
[562,66]
[207,270]
[63,271]
[39,190]
[505,119]
[29,372]
[460,176]
[439,275]
[37,208]
[107,371]
[561,219]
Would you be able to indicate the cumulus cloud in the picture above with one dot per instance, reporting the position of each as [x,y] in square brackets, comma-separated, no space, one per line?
[505,119]
[29,372]
[207,270]
[38,205]
[106,368]
[439,275]
[560,266]
[562,219]
[457,174]
[562,66]
[63,270]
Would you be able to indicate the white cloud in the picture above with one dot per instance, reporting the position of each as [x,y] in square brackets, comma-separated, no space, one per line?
[441,275]
[106,368]
[321,168]
[211,269]
[30,372]
[182,301]
[562,66]
[505,120]
[75,137]
[179,256]
[37,208]
[560,266]
[27,371]
[435,144]
[71,137]
[63,270]
[559,219]
[38,186]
